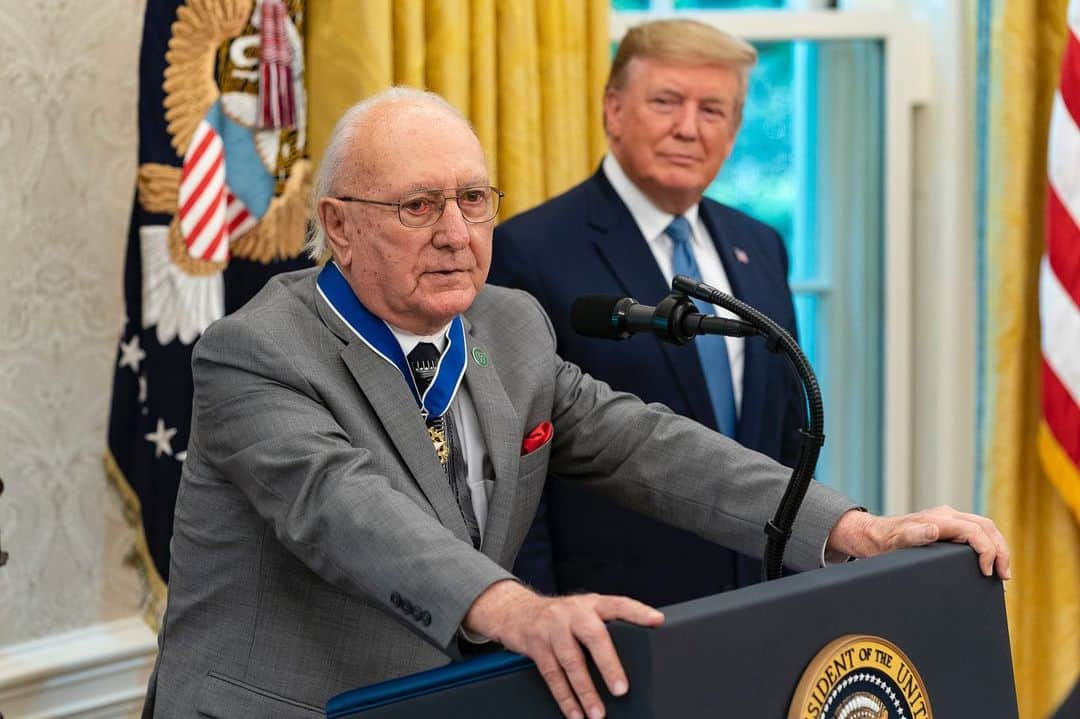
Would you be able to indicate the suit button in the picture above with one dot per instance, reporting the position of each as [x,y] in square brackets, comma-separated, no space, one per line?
[395,599]
[406,606]
[425,618]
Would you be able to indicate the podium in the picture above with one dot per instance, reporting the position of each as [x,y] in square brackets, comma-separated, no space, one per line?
[744,653]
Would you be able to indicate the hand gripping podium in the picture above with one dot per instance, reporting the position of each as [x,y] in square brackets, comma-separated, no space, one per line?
[919,633]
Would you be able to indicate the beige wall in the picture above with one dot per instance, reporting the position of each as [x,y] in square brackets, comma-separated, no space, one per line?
[68,93]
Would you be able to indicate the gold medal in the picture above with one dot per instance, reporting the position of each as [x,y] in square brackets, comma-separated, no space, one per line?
[438,441]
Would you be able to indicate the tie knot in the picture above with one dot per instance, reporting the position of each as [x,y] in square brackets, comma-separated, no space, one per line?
[423,361]
[679,231]
[424,352]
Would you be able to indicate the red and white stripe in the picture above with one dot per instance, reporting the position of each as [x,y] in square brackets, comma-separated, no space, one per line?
[277,106]
[203,196]
[237,218]
[1059,281]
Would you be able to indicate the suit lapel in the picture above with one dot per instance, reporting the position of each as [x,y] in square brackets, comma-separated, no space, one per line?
[393,403]
[499,424]
[744,287]
[619,241]
[626,252]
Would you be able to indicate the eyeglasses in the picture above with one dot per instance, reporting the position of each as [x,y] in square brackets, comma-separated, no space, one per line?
[423,209]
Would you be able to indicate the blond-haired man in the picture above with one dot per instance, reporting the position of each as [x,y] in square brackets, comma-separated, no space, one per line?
[672,110]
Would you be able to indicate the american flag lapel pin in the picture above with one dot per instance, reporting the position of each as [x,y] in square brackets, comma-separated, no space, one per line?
[741,256]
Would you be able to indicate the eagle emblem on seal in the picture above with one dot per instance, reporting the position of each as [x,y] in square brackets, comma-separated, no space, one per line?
[235,109]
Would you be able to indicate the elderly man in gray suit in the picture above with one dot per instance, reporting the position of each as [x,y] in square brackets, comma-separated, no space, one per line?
[370,440]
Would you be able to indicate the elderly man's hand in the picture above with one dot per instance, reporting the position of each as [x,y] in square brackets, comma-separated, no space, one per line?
[551,632]
[861,534]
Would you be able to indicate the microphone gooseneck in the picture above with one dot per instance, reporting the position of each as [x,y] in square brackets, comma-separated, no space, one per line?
[777,339]
[676,320]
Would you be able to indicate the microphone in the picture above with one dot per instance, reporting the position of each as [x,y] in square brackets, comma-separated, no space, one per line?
[674,320]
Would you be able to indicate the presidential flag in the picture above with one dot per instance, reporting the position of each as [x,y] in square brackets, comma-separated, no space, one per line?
[220,207]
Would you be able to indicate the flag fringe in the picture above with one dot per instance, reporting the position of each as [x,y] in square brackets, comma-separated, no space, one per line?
[1062,473]
[154,609]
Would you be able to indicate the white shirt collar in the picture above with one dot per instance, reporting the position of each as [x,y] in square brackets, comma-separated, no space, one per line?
[650,219]
[408,340]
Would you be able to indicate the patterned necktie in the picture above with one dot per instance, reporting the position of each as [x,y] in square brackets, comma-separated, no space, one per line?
[712,349]
[424,361]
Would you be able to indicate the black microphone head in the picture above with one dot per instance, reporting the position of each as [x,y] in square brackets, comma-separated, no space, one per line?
[599,316]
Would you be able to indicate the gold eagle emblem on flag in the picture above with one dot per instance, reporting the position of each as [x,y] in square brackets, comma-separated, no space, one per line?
[236,114]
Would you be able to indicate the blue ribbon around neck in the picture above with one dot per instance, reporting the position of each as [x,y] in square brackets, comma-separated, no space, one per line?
[374,332]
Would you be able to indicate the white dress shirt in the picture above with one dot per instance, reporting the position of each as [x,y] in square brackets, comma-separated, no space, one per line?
[652,221]
[473,448]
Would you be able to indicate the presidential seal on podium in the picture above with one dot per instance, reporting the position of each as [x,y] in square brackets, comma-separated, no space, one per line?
[860,677]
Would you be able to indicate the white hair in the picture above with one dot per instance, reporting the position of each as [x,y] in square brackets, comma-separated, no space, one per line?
[341,141]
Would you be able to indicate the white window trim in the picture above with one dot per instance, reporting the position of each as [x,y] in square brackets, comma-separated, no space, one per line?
[928,433]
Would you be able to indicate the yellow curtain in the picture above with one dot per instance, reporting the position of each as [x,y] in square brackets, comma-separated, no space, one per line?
[1043,600]
[529,75]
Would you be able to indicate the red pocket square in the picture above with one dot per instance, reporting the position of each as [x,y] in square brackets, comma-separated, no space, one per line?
[536,437]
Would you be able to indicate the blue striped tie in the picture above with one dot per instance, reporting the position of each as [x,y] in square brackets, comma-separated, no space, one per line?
[712,349]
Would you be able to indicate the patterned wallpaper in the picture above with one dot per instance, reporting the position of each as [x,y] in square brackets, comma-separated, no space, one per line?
[68,85]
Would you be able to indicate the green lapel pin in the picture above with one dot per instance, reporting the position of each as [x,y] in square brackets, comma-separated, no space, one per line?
[480,357]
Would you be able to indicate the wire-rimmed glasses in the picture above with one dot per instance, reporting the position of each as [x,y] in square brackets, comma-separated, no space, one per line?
[424,208]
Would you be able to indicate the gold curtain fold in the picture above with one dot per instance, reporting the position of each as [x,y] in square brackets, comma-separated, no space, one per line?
[529,75]
[339,72]
[1043,599]
[409,51]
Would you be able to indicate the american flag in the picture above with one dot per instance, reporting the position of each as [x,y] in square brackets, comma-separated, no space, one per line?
[1059,282]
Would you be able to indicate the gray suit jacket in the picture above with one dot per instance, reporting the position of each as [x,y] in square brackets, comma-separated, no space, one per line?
[317,546]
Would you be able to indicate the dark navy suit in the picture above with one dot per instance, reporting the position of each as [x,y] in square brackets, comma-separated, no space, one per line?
[586,242]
